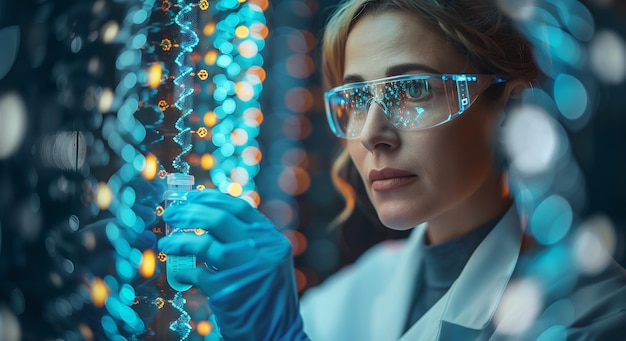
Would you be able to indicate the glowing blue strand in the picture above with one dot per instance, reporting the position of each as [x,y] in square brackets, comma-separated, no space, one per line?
[181,326]
[184,97]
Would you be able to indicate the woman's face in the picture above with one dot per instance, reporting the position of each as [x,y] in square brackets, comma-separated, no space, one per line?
[421,175]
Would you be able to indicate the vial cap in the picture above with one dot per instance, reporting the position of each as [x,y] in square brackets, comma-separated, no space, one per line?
[178,179]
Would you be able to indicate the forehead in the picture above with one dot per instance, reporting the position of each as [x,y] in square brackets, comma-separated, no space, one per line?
[380,41]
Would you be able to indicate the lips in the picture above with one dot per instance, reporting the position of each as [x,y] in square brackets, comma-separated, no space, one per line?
[388,179]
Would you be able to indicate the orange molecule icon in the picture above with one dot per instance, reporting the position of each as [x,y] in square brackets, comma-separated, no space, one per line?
[166,5]
[166,44]
[163,105]
[162,257]
[202,132]
[203,74]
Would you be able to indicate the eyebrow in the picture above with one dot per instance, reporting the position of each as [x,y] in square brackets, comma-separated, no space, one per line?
[394,70]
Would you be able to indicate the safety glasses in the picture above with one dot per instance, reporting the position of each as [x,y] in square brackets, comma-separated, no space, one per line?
[410,102]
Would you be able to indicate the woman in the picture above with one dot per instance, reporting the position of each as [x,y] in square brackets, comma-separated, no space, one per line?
[418,90]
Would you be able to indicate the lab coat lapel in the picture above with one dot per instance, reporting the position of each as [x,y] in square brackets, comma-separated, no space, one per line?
[472,300]
[390,310]
[454,332]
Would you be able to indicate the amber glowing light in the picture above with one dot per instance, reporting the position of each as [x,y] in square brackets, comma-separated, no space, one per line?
[235,189]
[242,32]
[204,328]
[104,196]
[99,292]
[207,161]
[148,264]
[154,74]
[209,29]
[150,167]
[85,331]
[210,119]
[262,4]
[210,57]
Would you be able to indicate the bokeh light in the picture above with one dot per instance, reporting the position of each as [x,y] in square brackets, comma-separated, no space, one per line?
[531,139]
[148,264]
[570,96]
[150,167]
[13,127]
[10,325]
[109,31]
[10,37]
[551,220]
[104,196]
[595,244]
[518,9]
[608,53]
[519,307]
[99,292]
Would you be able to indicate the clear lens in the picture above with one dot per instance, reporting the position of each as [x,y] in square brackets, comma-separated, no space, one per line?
[410,102]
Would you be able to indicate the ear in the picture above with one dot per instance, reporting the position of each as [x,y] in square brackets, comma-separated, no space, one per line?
[515,90]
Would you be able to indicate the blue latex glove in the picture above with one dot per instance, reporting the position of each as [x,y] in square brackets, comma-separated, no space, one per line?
[253,292]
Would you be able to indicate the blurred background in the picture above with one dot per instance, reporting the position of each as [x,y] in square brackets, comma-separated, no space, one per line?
[100,99]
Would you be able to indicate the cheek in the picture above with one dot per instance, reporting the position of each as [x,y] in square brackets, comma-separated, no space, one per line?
[357,153]
[461,151]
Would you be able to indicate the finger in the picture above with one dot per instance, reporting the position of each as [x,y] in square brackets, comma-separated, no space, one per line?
[208,250]
[201,278]
[236,206]
[220,223]
[187,243]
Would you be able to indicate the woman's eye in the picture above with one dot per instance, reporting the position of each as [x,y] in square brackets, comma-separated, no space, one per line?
[417,90]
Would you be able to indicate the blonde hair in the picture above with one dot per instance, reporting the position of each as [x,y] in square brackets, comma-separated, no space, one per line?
[478,29]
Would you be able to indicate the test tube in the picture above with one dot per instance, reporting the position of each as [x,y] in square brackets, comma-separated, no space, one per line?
[179,185]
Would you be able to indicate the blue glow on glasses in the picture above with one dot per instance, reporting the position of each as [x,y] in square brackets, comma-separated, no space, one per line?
[410,102]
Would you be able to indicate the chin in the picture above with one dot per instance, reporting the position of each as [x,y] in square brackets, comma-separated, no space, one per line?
[400,215]
[397,222]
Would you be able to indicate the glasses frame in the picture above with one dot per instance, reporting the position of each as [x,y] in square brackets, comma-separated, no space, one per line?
[463,81]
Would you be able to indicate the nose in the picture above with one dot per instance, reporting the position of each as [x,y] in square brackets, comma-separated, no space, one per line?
[377,132]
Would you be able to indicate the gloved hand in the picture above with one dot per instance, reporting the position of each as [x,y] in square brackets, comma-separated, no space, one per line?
[252,292]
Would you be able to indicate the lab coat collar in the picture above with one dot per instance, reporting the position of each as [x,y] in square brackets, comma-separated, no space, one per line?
[391,308]
[472,300]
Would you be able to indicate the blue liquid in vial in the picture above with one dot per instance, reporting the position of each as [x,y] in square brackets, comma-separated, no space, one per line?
[178,187]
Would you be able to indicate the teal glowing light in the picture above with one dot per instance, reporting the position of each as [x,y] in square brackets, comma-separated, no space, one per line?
[127,294]
[551,220]
[124,269]
[554,333]
[109,326]
[128,196]
[570,96]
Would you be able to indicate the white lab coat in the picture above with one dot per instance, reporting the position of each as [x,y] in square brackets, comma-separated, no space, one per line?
[370,300]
